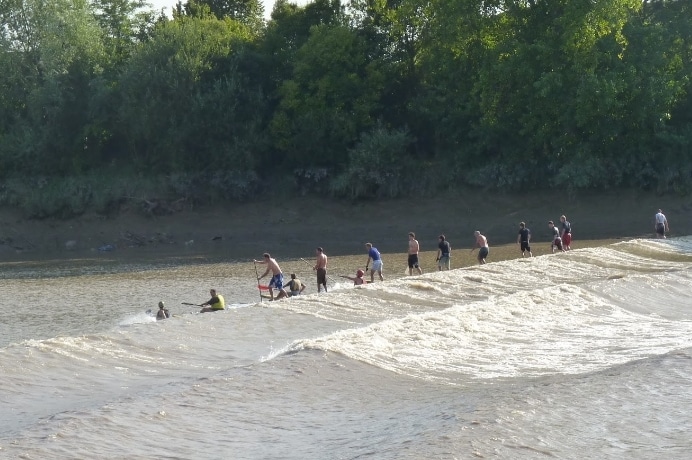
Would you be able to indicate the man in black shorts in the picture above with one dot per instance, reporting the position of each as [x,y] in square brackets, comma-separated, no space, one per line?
[524,239]
[413,249]
[660,224]
[321,269]
[482,244]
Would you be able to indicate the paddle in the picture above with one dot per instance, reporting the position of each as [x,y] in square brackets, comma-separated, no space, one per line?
[193,304]
[258,285]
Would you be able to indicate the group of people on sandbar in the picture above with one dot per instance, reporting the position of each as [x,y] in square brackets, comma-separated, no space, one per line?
[373,264]
[561,240]
[561,237]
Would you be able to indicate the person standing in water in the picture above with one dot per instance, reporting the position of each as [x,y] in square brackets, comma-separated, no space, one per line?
[482,244]
[374,255]
[524,239]
[566,233]
[413,250]
[277,281]
[321,269]
[660,224]
[444,252]
[556,241]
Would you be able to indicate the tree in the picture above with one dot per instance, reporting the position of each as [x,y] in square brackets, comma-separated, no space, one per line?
[553,93]
[329,101]
[124,23]
[177,106]
[56,49]
[248,12]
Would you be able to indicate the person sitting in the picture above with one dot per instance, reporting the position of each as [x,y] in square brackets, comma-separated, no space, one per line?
[295,286]
[216,302]
[163,312]
[359,279]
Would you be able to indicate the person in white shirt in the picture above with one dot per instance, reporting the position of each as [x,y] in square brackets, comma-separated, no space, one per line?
[661,224]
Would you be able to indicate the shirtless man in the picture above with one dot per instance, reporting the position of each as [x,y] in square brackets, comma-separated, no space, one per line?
[660,224]
[557,240]
[321,268]
[277,280]
[413,249]
[482,243]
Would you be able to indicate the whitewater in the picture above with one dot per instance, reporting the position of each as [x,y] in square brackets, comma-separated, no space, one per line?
[585,354]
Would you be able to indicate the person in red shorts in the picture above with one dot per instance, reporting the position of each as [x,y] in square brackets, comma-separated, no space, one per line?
[566,233]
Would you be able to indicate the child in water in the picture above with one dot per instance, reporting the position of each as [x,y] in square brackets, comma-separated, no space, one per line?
[359,279]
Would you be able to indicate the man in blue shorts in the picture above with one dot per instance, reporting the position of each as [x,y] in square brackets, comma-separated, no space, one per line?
[277,281]
[374,255]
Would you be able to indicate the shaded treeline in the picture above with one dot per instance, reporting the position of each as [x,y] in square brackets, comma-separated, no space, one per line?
[102,100]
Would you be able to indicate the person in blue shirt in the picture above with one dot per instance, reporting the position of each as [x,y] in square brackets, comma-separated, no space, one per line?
[374,256]
[444,251]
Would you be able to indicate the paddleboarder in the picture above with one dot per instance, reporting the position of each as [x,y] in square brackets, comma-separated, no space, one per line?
[277,281]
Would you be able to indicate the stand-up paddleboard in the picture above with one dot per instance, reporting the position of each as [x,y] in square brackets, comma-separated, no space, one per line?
[264,291]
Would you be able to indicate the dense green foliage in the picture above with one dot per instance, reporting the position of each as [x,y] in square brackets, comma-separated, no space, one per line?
[367,98]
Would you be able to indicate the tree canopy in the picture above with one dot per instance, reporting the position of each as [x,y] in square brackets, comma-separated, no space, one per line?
[354,98]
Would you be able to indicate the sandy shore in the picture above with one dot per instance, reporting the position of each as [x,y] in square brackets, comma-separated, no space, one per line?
[291,230]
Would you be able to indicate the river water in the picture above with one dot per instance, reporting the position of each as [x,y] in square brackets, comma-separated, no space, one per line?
[586,354]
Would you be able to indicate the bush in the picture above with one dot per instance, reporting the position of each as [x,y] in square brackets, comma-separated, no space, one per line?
[376,166]
[42,197]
